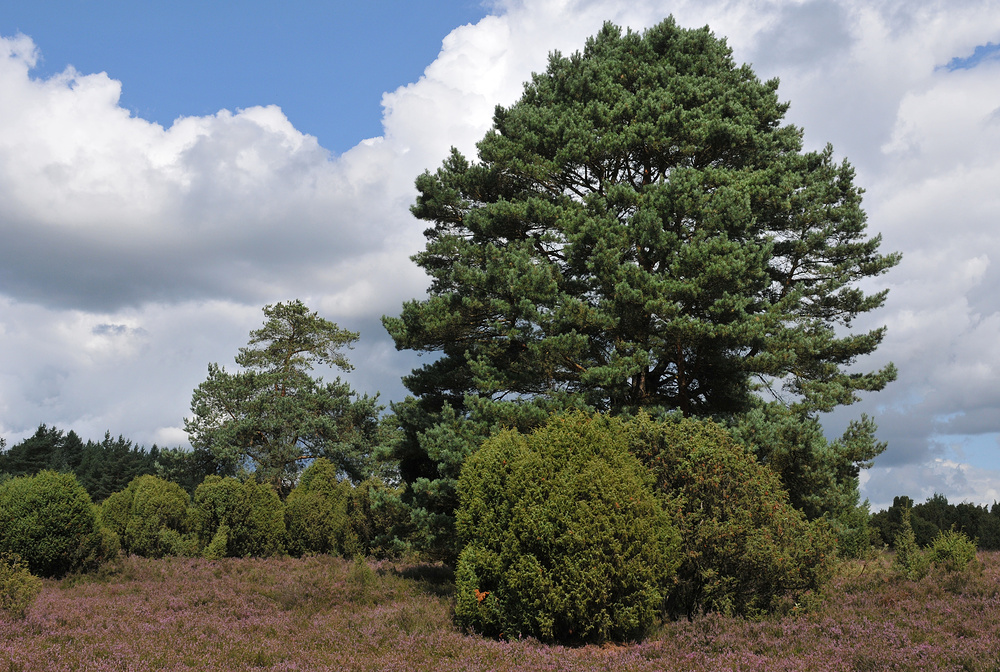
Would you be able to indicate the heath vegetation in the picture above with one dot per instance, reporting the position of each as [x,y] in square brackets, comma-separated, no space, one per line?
[640,305]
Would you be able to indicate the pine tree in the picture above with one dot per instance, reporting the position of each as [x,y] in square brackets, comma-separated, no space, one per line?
[272,418]
[640,231]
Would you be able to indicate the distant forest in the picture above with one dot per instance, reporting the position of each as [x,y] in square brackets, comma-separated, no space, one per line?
[104,467]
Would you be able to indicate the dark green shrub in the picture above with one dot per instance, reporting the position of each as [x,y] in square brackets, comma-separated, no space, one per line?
[18,587]
[744,544]
[565,539]
[326,514]
[238,518]
[952,551]
[49,521]
[150,517]
[856,537]
[316,513]
[378,518]
[909,560]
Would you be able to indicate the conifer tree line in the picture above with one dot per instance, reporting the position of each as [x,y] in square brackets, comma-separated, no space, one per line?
[101,467]
[641,300]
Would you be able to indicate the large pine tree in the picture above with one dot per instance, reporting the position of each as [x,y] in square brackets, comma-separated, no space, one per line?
[641,230]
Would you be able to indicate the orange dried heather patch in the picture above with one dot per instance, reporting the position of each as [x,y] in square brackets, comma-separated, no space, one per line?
[481,595]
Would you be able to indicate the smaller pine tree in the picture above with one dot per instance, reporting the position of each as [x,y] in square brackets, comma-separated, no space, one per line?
[910,561]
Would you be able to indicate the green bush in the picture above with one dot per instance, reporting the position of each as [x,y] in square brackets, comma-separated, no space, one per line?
[856,537]
[18,587]
[238,518]
[744,544]
[326,514]
[909,560]
[564,538]
[952,551]
[316,513]
[49,521]
[150,517]
[378,518]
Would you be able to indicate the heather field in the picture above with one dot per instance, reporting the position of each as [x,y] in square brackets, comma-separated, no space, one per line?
[324,613]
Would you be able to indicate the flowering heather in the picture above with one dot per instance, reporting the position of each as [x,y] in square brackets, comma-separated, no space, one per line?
[324,613]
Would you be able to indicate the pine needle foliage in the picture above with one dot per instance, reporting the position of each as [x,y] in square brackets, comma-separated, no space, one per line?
[641,231]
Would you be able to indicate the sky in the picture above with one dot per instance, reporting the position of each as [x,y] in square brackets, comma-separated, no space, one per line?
[167,169]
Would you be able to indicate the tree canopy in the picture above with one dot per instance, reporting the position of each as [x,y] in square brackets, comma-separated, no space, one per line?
[272,417]
[641,231]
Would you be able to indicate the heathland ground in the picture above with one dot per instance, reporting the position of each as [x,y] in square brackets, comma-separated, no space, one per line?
[326,613]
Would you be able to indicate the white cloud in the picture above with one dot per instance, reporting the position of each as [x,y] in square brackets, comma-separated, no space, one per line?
[135,254]
[102,210]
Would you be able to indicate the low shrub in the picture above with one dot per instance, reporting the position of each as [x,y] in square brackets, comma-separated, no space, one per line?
[952,551]
[379,518]
[856,537]
[564,538]
[745,545]
[316,513]
[18,587]
[49,521]
[325,513]
[150,517]
[235,518]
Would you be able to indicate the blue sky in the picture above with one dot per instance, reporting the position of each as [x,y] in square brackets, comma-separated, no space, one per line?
[326,64]
[136,249]
[979,54]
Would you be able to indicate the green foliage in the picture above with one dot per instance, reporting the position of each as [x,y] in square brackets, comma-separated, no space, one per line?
[909,560]
[936,515]
[272,417]
[218,547]
[109,466]
[640,232]
[564,538]
[150,517]
[379,519]
[952,551]
[48,448]
[325,513]
[236,519]
[856,538]
[316,513]
[930,519]
[188,468]
[821,476]
[745,545]
[49,521]
[18,587]
[430,460]
[101,467]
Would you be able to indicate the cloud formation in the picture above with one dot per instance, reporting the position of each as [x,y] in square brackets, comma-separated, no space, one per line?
[135,254]
[102,210]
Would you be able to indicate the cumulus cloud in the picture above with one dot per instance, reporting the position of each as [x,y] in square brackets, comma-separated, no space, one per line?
[103,210]
[134,254]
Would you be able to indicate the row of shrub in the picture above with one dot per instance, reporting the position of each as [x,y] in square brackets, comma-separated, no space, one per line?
[590,528]
[49,521]
[951,551]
